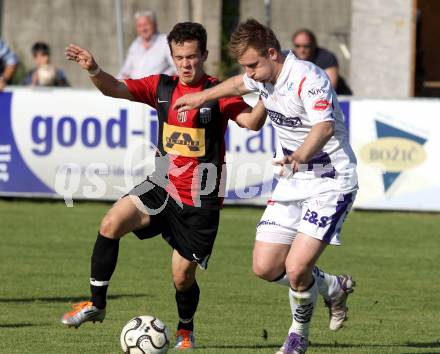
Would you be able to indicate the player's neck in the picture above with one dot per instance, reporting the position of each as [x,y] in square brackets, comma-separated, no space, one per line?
[278,68]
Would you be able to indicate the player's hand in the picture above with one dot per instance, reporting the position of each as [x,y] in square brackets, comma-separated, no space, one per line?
[188,102]
[83,57]
[289,165]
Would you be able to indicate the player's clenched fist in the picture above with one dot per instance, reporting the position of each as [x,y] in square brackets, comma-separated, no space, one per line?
[83,57]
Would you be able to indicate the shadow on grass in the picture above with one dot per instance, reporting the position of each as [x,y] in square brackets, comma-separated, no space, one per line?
[239,346]
[68,299]
[17,325]
[420,345]
[350,345]
[331,345]
[435,344]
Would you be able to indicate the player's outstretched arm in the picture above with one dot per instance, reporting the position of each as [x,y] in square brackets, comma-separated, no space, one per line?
[105,82]
[233,86]
[318,136]
[253,119]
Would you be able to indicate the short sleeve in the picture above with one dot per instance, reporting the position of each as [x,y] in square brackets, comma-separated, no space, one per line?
[317,96]
[250,84]
[144,90]
[231,107]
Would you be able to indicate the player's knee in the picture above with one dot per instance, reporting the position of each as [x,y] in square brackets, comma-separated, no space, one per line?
[298,276]
[262,271]
[110,227]
[182,281]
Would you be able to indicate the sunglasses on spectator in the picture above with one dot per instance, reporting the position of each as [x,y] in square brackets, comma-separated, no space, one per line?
[306,46]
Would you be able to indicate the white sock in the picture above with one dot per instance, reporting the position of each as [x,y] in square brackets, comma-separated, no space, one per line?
[283,280]
[328,284]
[302,304]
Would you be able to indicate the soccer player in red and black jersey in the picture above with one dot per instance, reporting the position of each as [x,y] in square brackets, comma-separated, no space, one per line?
[182,198]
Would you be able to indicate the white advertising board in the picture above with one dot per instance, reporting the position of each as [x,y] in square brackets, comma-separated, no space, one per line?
[397,143]
[79,144]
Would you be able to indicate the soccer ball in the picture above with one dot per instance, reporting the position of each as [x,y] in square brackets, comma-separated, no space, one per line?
[145,335]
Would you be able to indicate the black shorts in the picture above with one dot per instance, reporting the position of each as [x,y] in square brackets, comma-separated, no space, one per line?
[191,231]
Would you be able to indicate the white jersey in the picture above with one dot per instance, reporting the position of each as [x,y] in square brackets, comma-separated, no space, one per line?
[302,97]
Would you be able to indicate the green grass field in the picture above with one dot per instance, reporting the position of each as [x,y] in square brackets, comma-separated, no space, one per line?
[45,252]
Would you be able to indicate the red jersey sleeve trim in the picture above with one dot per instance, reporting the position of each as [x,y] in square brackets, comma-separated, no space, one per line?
[301,86]
[231,107]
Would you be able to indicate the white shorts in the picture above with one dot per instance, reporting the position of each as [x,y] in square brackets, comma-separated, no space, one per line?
[320,216]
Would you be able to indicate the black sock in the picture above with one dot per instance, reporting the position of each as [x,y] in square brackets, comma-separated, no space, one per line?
[187,302]
[104,258]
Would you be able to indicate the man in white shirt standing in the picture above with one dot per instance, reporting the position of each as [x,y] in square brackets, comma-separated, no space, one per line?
[149,53]
[317,183]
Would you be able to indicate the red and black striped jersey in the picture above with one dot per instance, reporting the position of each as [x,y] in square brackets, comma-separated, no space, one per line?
[191,147]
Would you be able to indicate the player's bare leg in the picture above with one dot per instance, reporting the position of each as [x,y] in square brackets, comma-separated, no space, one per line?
[269,261]
[269,264]
[187,299]
[123,217]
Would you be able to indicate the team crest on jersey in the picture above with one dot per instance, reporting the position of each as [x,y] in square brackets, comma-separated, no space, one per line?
[205,115]
[182,117]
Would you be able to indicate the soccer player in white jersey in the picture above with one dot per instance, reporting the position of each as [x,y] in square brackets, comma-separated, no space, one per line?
[317,183]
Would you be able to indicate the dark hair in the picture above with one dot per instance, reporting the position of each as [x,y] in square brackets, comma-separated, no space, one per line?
[309,33]
[252,34]
[40,47]
[188,31]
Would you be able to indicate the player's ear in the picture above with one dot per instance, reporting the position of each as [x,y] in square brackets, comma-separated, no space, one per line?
[205,56]
[273,54]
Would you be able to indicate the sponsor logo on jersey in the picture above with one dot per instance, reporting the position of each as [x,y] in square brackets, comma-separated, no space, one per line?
[188,142]
[321,105]
[317,91]
[395,151]
[280,119]
[290,86]
[205,115]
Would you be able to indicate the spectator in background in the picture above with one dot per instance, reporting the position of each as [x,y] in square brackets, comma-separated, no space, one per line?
[44,73]
[8,64]
[149,53]
[305,47]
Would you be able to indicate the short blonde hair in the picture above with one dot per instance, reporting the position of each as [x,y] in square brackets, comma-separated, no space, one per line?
[252,34]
